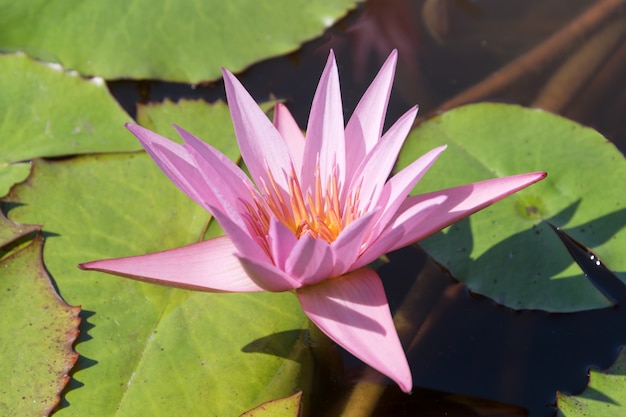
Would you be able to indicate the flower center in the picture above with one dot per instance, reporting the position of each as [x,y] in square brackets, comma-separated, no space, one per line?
[318,212]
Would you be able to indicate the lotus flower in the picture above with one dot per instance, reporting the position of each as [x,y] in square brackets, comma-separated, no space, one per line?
[316,212]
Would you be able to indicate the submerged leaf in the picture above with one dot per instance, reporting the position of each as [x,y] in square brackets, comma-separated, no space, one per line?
[37,332]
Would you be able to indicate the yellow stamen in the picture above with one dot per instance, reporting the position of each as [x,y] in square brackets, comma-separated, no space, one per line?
[318,213]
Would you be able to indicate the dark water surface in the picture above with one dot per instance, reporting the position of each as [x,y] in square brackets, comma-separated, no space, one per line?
[469,356]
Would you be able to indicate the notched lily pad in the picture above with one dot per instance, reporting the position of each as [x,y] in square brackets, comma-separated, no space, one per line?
[10,231]
[604,396]
[158,350]
[507,251]
[38,329]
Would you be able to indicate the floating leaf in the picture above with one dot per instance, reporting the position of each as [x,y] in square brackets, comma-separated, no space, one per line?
[209,122]
[46,112]
[283,407]
[185,41]
[154,349]
[604,396]
[37,330]
[10,231]
[506,251]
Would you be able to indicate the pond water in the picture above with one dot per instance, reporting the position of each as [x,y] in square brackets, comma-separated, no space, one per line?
[469,356]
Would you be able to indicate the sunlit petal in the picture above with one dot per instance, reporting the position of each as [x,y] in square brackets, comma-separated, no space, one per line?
[268,276]
[291,133]
[398,187]
[349,244]
[374,170]
[365,127]
[227,170]
[282,241]
[311,260]
[459,203]
[389,238]
[175,162]
[261,145]
[325,143]
[207,266]
[353,311]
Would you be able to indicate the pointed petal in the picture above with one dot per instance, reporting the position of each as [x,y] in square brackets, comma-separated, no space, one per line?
[291,133]
[175,162]
[282,241]
[325,130]
[203,182]
[460,202]
[398,187]
[243,238]
[262,147]
[209,265]
[353,311]
[229,197]
[229,171]
[374,170]
[268,276]
[311,260]
[347,247]
[365,127]
[389,238]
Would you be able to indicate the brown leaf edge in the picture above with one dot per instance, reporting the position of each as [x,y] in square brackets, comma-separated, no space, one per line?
[71,335]
[273,406]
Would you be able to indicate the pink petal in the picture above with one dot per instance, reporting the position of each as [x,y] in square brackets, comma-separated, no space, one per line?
[282,241]
[209,265]
[460,203]
[268,276]
[353,311]
[365,127]
[374,170]
[325,143]
[208,182]
[229,195]
[388,239]
[348,245]
[398,187]
[291,133]
[243,238]
[262,147]
[310,260]
[175,162]
[229,171]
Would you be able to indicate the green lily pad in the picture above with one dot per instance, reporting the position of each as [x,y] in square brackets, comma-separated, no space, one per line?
[38,330]
[507,251]
[283,407]
[209,122]
[185,41]
[46,112]
[10,231]
[151,347]
[604,396]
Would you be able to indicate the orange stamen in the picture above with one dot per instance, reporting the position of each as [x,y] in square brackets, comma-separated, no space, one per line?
[318,213]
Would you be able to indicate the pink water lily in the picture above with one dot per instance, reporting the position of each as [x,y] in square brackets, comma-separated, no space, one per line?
[316,212]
